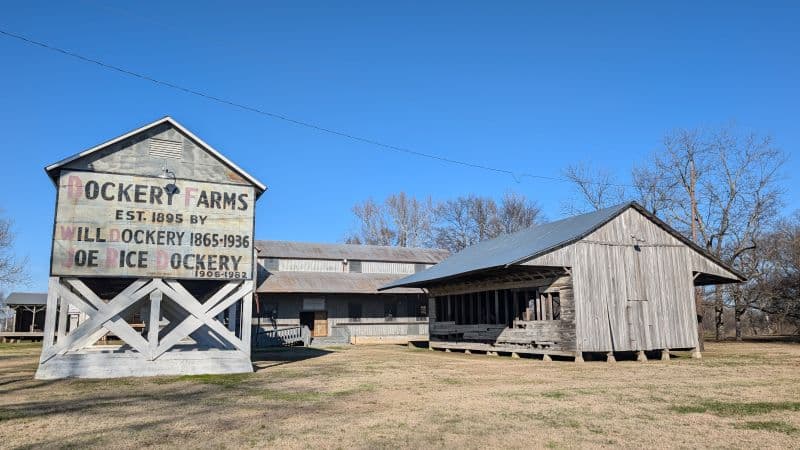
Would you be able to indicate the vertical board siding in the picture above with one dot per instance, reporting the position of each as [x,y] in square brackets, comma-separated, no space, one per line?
[387,267]
[310,265]
[633,286]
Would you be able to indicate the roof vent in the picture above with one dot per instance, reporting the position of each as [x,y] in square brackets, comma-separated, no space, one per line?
[162,148]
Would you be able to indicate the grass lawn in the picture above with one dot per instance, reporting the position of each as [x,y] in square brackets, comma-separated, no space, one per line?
[740,395]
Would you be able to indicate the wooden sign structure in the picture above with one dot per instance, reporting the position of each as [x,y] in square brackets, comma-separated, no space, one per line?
[153,244]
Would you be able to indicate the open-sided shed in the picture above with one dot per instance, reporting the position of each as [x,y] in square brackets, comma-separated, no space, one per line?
[27,321]
[614,280]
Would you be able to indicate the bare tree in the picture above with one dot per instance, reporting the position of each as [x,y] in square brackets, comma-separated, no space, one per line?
[373,227]
[720,188]
[457,225]
[726,194]
[775,291]
[595,189]
[452,224]
[412,220]
[517,212]
[464,221]
[400,220]
[12,269]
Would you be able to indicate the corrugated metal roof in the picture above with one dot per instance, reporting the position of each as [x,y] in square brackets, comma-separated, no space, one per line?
[308,250]
[330,283]
[26,298]
[526,244]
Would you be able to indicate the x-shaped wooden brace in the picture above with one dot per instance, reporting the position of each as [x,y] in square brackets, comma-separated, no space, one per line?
[102,316]
[201,313]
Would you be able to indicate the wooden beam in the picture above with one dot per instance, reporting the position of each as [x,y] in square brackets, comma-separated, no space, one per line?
[496,308]
[153,323]
[50,318]
[247,321]
[105,313]
[63,307]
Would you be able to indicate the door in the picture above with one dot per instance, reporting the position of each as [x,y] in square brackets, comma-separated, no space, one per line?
[636,314]
[320,324]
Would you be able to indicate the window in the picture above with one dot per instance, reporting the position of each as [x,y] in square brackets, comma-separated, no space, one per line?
[268,310]
[422,311]
[354,311]
[417,307]
[390,309]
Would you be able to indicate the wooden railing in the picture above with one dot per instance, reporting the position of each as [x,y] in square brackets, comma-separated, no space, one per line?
[278,337]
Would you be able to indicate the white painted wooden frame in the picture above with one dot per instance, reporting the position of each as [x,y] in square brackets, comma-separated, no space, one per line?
[217,348]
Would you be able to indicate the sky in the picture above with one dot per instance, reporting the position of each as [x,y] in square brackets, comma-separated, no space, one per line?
[525,86]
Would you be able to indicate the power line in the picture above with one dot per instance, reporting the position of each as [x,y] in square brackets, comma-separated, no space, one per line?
[517,176]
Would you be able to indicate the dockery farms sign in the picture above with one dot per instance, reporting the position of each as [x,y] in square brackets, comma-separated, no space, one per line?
[133,226]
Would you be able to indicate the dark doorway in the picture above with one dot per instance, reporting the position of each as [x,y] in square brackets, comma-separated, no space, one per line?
[307,319]
[316,321]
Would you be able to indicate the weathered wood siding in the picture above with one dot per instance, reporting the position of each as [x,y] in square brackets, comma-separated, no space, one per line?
[134,156]
[554,334]
[631,294]
[338,265]
[373,321]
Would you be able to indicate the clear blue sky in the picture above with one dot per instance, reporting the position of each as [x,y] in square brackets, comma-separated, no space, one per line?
[526,86]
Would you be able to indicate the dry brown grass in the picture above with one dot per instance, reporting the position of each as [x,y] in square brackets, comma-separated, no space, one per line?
[741,395]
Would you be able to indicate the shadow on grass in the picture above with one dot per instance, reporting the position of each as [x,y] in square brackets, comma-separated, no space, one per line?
[270,357]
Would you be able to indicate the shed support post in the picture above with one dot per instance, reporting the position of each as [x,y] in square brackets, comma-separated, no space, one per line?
[665,354]
[640,356]
[467,352]
[546,358]
[515,355]
[696,353]
[578,357]
[610,357]
[496,308]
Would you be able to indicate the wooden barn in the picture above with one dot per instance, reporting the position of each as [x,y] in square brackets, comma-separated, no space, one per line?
[332,290]
[614,280]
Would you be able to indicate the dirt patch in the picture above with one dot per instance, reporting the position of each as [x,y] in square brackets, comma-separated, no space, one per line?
[738,395]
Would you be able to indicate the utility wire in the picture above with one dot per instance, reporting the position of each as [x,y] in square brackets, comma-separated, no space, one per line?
[517,176]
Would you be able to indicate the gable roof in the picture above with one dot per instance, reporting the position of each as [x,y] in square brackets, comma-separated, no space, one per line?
[329,283]
[52,169]
[26,298]
[309,250]
[538,240]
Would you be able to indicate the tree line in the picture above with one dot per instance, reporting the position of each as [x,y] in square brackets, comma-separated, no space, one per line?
[452,224]
[720,187]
